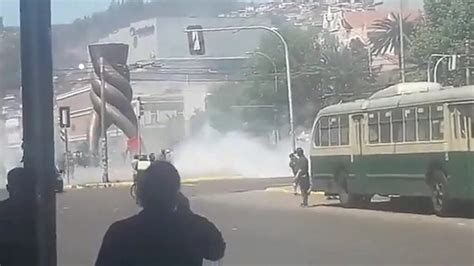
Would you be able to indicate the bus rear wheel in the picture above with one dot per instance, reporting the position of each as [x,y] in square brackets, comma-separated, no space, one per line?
[439,193]
[347,199]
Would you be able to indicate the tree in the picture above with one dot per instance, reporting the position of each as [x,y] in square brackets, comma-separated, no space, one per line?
[387,35]
[322,73]
[447,28]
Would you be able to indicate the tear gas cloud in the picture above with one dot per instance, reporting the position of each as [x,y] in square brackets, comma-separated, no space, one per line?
[211,153]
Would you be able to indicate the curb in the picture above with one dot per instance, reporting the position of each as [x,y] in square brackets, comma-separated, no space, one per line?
[130,183]
[289,190]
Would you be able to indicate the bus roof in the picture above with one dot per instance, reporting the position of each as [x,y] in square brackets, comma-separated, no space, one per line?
[432,94]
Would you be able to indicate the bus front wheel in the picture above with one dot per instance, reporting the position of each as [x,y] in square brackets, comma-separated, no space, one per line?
[439,193]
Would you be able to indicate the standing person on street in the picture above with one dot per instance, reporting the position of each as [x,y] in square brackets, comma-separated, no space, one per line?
[166,232]
[302,176]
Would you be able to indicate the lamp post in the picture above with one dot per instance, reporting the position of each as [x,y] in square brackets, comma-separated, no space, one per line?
[103,109]
[402,44]
[287,61]
[275,70]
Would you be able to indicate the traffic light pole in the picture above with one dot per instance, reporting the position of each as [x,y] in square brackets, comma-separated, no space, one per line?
[38,122]
[103,109]
[287,61]
[139,130]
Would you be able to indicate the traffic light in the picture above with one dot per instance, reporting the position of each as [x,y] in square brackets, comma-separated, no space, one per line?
[64,116]
[141,107]
[196,40]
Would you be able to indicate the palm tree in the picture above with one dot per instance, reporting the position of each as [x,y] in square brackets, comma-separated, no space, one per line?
[386,35]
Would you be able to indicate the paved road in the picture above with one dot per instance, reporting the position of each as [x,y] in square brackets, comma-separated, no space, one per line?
[263,227]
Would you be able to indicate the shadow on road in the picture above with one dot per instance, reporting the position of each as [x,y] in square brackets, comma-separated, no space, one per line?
[464,210]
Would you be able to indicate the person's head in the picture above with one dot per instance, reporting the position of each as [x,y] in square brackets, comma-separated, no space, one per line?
[163,152]
[300,152]
[19,183]
[158,188]
[152,157]
[292,156]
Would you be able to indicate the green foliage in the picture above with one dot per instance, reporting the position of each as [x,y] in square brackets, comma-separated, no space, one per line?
[386,36]
[323,72]
[446,26]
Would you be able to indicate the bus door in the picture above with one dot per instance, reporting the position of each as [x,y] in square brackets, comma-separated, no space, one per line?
[358,136]
[462,116]
[357,159]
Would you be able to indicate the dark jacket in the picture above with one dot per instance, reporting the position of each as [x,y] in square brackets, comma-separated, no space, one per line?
[179,238]
[17,233]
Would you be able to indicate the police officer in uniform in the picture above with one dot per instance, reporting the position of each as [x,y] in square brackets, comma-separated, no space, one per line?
[302,176]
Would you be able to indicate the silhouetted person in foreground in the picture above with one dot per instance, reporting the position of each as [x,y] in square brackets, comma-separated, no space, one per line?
[166,232]
[17,223]
[302,176]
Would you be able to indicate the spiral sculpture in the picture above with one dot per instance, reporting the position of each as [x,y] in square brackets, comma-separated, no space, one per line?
[118,92]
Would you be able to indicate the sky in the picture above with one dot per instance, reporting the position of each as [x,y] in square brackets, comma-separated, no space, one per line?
[62,11]
[66,11]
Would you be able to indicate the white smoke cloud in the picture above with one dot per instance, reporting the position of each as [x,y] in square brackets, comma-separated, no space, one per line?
[211,153]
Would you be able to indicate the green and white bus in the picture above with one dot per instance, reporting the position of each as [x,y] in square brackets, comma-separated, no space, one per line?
[410,140]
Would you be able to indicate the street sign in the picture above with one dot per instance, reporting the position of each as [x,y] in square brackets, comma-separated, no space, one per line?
[64,116]
[196,40]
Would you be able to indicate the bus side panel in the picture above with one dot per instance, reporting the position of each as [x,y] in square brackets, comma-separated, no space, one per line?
[397,174]
[324,168]
[460,170]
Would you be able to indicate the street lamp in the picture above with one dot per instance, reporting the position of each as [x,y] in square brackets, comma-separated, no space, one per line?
[402,44]
[275,70]
[287,61]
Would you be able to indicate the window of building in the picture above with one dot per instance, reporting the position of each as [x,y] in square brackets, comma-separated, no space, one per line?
[397,125]
[317,134]
[437,122]
[344,124]
[324,131]
[374,127]
[334,131]
[385,127]
[423,118]
[410,124]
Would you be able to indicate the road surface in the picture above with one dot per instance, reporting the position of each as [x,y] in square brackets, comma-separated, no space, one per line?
[266,227]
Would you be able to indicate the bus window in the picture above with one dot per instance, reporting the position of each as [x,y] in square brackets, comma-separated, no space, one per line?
[374,127]
[423,123]
[344,124]
[397,125]
[334,131]
[385,130]
[324,132]
[462,125]
[317,134]
[410,124]
[455,119]
[437,122]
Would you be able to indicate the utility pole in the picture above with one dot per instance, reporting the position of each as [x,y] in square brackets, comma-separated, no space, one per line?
[38,122]
[402,44]
[468,62]
[103,109]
